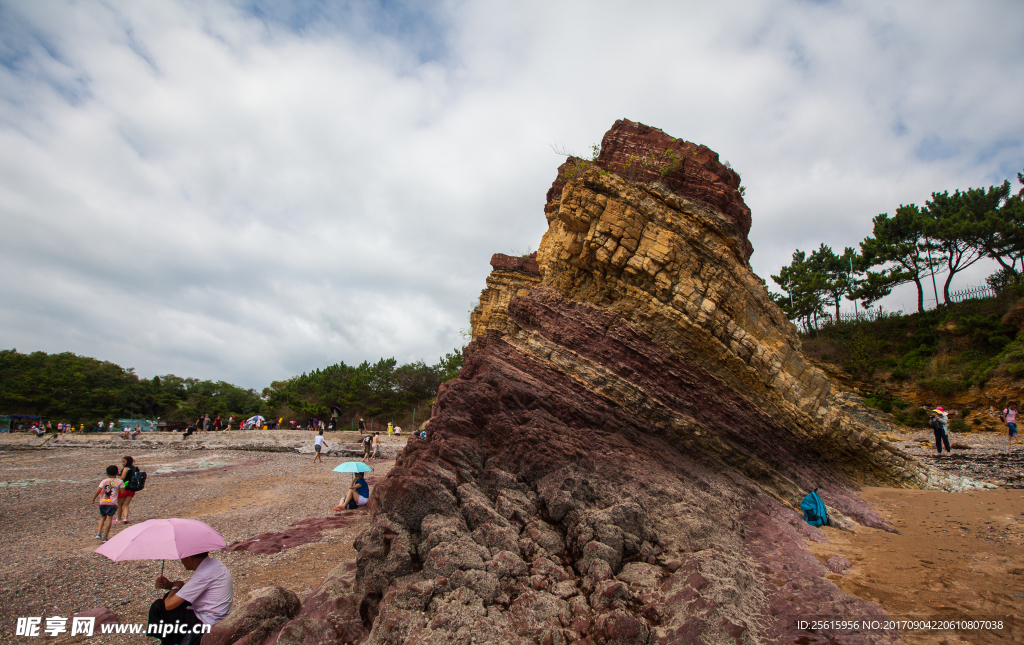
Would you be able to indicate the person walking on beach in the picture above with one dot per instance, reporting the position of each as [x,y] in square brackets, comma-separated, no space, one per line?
[107,493]
[124,500]
[939,422]
[318,444]
[204,599]
[367,447]
[1009,417]
[375,446]
[358,494]
[362,426]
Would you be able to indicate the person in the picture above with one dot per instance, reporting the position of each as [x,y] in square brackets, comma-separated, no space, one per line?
[362,426]
[1009,417]
[318,443]
[375,446]
[137,431]
[939,422]
[367,446]
[358,494]
[391,428]
[398,431]
[206,423]
[110,428]
[107,494]
[99,428]
[124,500]
[205,599]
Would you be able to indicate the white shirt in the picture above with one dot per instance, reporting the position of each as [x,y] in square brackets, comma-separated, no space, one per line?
[319,440]
[209,590]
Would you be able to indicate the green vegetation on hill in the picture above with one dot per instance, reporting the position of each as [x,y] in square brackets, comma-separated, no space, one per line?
[938,353]
[67,387]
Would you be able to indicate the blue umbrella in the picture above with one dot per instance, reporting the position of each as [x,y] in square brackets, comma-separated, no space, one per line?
[353,467]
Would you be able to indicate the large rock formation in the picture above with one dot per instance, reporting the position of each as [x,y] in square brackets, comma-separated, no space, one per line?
[621,457]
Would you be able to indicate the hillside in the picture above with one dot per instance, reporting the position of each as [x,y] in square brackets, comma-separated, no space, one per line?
[968,357]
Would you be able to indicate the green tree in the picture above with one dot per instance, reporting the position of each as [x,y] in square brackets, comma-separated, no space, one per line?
[898,244]
[998,225]
[834,274]
[953,223]
[804,290]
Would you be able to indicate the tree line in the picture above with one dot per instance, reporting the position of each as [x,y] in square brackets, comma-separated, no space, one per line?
[382,389]
[949,233]
[68,387]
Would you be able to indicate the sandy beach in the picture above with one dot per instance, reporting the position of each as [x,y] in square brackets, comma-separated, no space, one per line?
[957,554]
[49,527]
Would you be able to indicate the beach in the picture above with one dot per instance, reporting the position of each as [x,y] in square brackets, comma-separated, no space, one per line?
[49,527]
[956,554]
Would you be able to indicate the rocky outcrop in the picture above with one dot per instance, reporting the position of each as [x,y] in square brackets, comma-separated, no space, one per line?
[642,154]
[621,458]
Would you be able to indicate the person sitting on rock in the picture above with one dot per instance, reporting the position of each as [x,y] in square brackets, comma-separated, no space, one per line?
[204,599]
[358,494]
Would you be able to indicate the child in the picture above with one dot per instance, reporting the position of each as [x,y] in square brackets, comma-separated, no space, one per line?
[107,494]
[318,444]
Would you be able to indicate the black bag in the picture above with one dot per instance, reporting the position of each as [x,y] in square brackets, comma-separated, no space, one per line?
[936,424]
[137,481]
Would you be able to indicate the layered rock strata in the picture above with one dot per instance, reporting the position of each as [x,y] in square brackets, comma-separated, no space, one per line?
[621,457]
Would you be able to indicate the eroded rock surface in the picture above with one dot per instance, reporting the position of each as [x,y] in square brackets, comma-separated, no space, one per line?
[621,458]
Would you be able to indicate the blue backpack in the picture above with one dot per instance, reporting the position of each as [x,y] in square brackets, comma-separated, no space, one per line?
[814,509]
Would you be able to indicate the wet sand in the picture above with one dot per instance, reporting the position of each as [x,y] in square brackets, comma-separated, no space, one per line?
[957,555]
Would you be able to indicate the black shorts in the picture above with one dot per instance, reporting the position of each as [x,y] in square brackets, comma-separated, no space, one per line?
[317,448]
[106,510]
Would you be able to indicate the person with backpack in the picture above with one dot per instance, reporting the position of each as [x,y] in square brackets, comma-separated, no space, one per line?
[134,480]
[1009,417]
[939,421]
[367,445]
[107,493]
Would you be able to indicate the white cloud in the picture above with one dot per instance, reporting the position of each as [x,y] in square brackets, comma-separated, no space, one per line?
[245,195]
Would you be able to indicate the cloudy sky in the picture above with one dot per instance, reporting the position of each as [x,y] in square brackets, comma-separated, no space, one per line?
[249,190]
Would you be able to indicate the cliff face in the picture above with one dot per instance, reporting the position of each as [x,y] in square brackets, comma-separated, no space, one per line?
[620,458]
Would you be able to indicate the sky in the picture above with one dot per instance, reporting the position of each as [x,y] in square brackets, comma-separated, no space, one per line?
[245,191]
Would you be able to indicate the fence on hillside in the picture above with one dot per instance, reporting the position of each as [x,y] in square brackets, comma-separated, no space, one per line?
[868,315]
[972,293]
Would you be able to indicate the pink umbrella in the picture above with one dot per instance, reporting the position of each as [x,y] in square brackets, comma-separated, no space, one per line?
[162,539]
